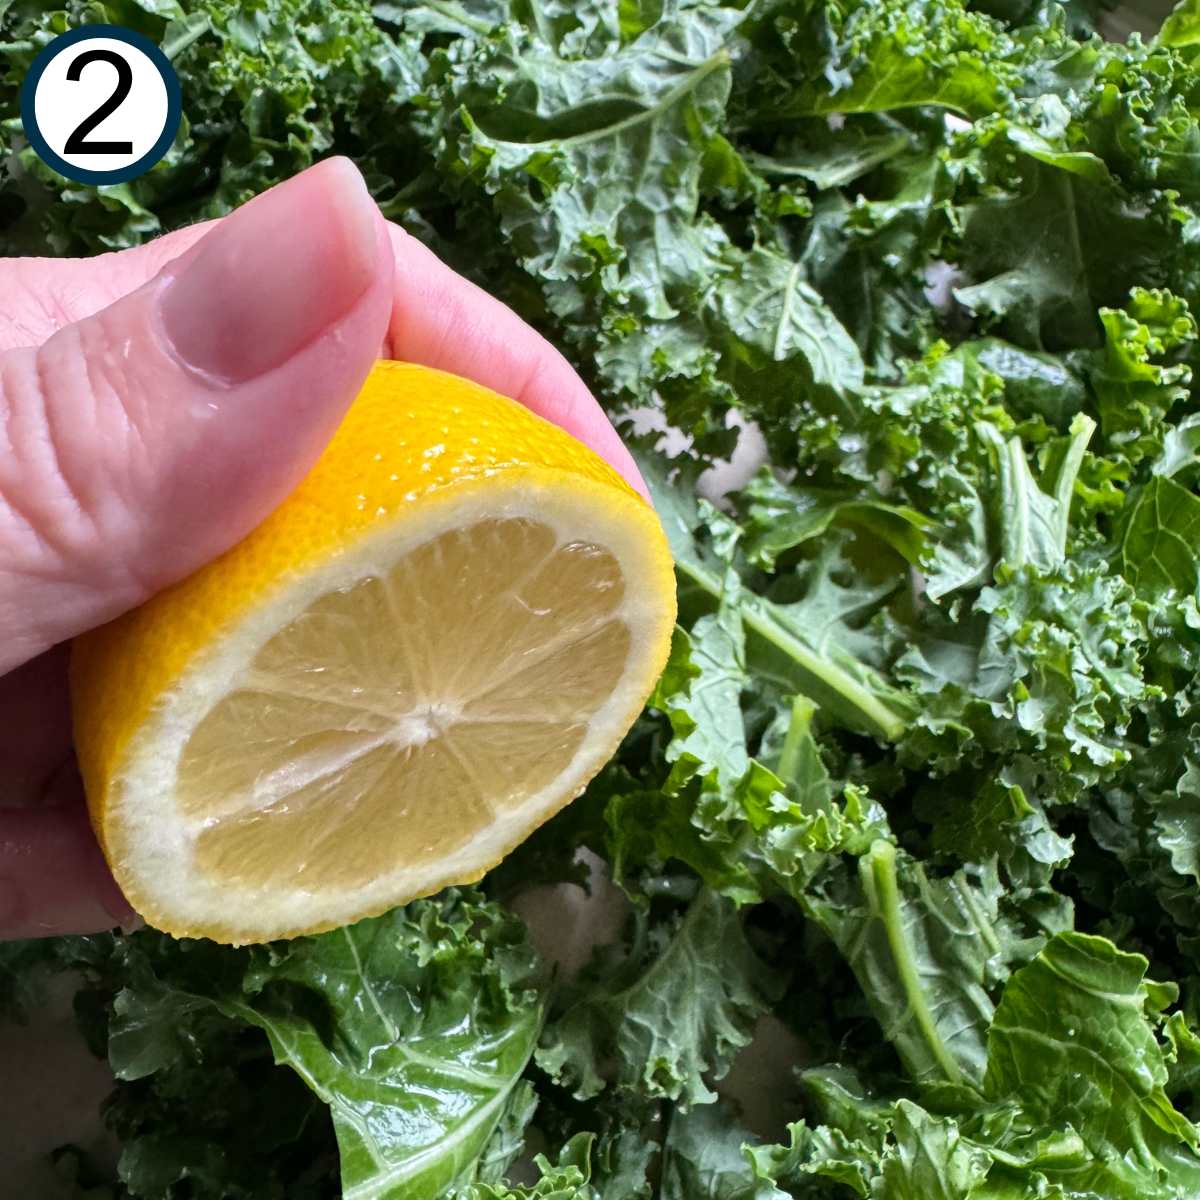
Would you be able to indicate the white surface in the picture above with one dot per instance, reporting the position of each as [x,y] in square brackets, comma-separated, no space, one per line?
[51,1093]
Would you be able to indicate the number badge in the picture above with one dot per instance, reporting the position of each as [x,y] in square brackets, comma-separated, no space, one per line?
[101,104]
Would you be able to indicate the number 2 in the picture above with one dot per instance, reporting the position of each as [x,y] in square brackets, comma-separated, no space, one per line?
[77,143]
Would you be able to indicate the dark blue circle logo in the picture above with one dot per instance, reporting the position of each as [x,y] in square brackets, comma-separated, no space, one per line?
[101,104]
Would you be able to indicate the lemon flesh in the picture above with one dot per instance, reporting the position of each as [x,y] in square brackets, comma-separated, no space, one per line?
[350,745]
[423,654]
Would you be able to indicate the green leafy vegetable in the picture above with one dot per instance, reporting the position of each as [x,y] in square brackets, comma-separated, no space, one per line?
[918,794]
[413,1029]
[666,1014]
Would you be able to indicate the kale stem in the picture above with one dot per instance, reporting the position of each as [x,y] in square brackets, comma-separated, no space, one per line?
[756,617]
[789,757]
[1082,428]
[878,872]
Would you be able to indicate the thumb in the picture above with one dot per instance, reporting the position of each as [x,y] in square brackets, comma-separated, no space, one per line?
[139,443]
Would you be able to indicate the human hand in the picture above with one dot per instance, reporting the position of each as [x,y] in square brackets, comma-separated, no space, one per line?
[155,405]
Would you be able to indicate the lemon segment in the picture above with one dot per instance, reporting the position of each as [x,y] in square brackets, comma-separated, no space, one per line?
[425,652]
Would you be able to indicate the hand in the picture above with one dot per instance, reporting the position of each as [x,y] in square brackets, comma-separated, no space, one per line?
[156,405]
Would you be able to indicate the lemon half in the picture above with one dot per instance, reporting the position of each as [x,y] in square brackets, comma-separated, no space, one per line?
[425,652]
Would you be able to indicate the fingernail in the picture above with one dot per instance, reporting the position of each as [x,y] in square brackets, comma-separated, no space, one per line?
[273,276]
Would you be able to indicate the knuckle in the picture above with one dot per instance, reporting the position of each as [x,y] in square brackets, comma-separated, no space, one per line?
[550,386]
[65,481]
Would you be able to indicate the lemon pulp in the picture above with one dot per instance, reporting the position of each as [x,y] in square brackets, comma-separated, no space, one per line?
[352,748]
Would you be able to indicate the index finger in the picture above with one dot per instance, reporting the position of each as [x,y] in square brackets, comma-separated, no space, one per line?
[440,319]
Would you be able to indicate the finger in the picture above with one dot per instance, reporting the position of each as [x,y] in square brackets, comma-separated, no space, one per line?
[42,295]
[438,318]
[443,320]
[146,439]
[35,727]
[52,876]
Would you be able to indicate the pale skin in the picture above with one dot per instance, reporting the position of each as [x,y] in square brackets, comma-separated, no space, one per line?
[155,405]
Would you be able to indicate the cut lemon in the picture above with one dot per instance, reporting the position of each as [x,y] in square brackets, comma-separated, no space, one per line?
[427,650]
